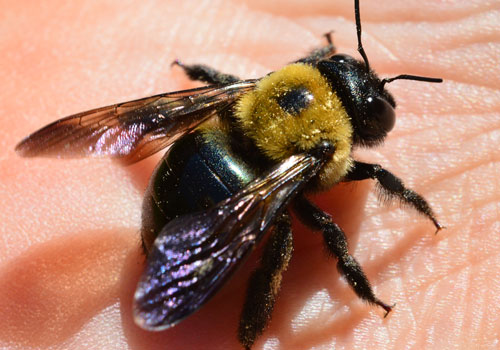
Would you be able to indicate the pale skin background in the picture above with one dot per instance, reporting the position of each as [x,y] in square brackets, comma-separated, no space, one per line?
[69,228]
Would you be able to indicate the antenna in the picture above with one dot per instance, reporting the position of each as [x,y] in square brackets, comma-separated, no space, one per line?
[409,77]
[361,50]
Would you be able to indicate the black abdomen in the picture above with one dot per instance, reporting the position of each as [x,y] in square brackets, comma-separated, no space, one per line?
[197,172]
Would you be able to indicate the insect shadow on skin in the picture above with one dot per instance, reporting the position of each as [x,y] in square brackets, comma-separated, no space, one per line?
[242,154]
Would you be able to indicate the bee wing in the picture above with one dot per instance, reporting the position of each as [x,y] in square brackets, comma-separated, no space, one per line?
[132,130]
[195,254]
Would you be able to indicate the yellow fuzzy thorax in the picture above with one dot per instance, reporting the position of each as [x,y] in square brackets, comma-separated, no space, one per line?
[279,134]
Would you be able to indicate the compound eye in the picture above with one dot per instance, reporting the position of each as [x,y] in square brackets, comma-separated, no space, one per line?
[381,112]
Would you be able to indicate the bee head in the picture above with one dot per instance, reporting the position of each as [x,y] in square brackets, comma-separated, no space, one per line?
[369,105]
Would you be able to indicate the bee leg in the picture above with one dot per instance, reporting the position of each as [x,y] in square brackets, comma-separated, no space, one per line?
[206,74]
[265,283]
[336,243]
[393,187]
[321,52]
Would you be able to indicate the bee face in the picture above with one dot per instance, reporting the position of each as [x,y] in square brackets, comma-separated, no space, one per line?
[293,110]
[369,105]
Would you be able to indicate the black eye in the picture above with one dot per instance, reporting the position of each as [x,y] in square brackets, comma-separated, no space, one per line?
[381,112]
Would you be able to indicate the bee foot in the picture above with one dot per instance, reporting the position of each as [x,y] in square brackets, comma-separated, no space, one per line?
[386,307]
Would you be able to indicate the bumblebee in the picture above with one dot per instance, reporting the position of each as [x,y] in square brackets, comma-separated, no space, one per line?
[241,154]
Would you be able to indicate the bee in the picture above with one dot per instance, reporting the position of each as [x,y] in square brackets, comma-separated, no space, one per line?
[241,155]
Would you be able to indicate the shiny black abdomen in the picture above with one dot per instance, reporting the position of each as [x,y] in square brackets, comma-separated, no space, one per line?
[198,171]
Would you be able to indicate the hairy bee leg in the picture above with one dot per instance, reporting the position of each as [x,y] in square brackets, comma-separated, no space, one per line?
[336,243]
[265,283]
[206,74]
[321,52]
[200,72]
[393,187]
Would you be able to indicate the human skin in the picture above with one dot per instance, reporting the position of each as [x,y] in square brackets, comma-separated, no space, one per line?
[70,247]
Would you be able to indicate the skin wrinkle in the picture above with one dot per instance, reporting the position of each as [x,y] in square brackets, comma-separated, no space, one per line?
[384,49]
[495,127]
[448,274]
[411,307]
[55,65]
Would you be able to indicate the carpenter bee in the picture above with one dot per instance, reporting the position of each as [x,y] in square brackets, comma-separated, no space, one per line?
[241,154]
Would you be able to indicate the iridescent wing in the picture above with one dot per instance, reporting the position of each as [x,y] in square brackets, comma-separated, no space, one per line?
[195,254]
[132,130]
